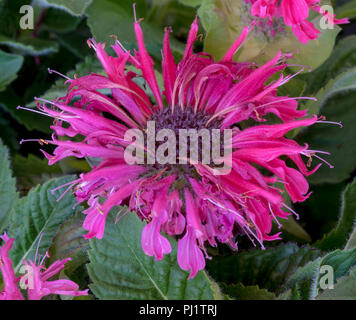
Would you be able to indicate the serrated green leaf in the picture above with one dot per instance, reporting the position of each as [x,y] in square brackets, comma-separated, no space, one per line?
[120,269]
[76,8]
[240,292]
[338,237]
[336,103]
[8,194]
[268,268]
[38,216]
[10,64]
[306,279]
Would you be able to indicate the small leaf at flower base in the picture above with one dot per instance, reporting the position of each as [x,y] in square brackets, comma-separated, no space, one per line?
[76,8]
[240,292]
[336,103]
[120,269]
[38,216]
[269,269]
[291,226]
[10,64]
[344,289]
[338,237]
[306,280]
[70,243]
[8,194]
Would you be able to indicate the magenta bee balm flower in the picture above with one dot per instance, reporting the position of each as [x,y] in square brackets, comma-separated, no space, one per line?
[35,280]
[295,14]
[200,201]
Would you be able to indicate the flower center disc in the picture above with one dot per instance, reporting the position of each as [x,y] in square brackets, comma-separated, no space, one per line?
[194,123]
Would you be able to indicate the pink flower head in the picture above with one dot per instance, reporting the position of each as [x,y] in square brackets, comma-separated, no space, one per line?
[35,278]
[189,201]
[295,14]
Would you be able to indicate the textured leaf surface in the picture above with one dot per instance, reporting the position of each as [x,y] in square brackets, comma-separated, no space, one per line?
[338,237]
[119,268]
[240,292]
[268,268]
[306,279]
[344,289]
[8,194]
[38,214]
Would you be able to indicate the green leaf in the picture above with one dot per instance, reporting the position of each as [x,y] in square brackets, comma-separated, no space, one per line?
[109,17]
[120,269]
[351,243]
[191,3]
[10,64]
[268,268]
[306,279]
[59,21]
[240,292]
[70,243]
[29,45]
[8,194]
[338,237]
[32,121]
[347,10]
[342,59]
[344,289]
[76,8]
[294,228]
[32,170]
[37,218]
[336,103]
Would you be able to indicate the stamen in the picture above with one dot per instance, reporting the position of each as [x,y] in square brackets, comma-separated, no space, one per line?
[291,210]
[331,122]
[327,163]
[38,245]
[35,111]
[50,71]
[273,215]
[44,257]
[40,141]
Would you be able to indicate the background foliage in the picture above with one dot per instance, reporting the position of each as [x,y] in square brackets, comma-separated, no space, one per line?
[116,267]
